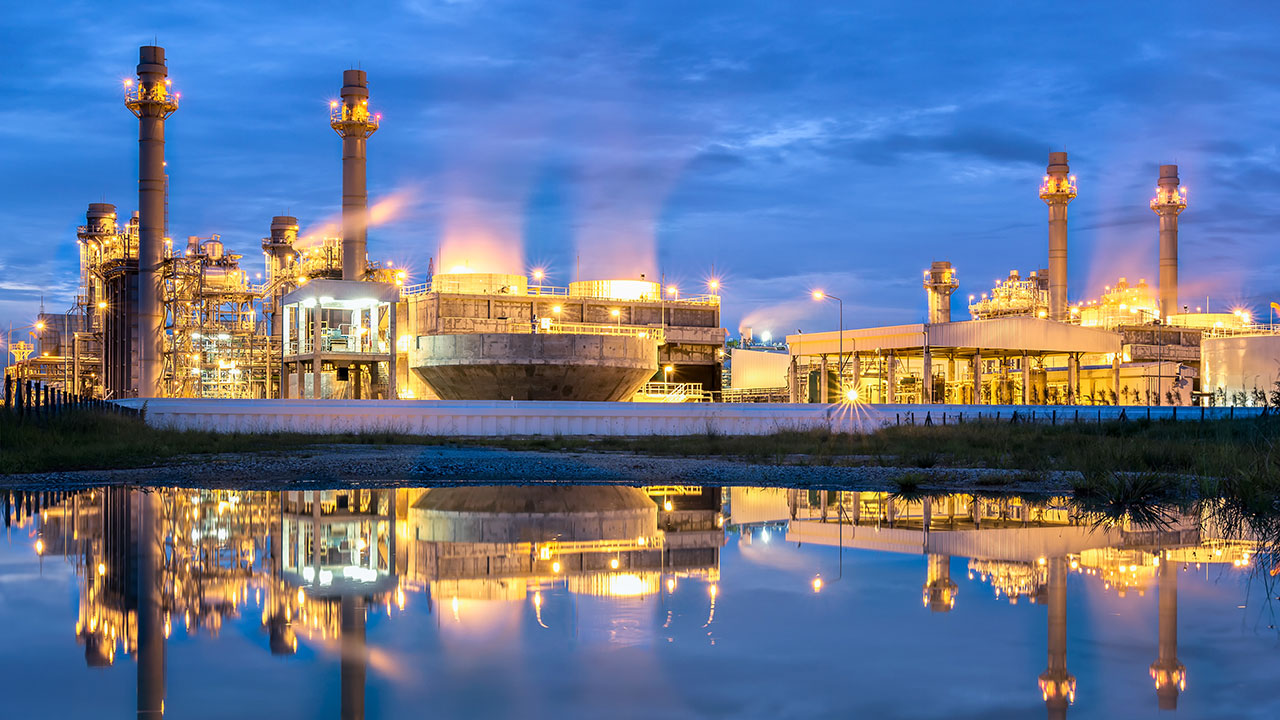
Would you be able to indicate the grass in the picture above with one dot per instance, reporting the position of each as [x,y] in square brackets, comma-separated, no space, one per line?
[1237,451]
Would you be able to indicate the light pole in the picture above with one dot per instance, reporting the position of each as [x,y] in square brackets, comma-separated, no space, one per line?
[8,343]
[617,316]
[820,296]
[538,274]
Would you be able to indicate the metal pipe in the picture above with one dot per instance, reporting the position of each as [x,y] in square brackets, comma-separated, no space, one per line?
[152,102]
[1057,191]
[1169,202]
[351,119]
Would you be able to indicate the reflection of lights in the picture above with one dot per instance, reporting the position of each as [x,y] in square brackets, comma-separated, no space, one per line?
[666,505]
[302,597]
[455,609]
[817,583]
[625,585]
[102,568]
[671,584]
[614,563]
[764,535]
[1040,561]
[555,566]
[39,546]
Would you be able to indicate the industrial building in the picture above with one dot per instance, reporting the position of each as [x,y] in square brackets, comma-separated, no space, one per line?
[1025,344]
[155,320]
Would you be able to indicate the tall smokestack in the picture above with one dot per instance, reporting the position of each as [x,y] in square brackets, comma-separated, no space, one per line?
[1169,202]
[152,102]
[1057,191]
[939,282]
[351,119]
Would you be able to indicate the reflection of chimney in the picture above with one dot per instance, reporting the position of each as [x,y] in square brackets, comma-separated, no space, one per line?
[151,682]
[1057,686]
[1169,202]
[1057,191]
[351,119]
[940,589]
[152,102]
[939,282]
[354,660]
[1169,674]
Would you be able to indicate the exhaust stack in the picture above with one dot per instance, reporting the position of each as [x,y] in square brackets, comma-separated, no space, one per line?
[939,282]
[1057,191]
[1169,202]
[151,101]
[351,119]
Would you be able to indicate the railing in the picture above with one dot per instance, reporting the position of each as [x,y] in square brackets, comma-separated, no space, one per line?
[459,287]
[672,392]
[553,327]
[755,395]
[1256,329]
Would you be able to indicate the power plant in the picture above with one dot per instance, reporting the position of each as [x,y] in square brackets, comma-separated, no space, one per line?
[323,321]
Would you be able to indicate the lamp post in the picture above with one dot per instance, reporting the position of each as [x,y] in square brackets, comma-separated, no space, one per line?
[617,316]
[538,274]
[820,296]
[8,343]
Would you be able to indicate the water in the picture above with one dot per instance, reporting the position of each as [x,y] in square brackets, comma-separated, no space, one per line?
[501,602]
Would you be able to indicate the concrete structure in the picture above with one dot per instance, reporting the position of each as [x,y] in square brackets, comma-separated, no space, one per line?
[939,282]
[1169,202]
[494,418]
[1057,191]
[686,329]
[543,366]
[351,119]
[152,102]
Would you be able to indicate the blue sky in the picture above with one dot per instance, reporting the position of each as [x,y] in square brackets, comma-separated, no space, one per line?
[788,145]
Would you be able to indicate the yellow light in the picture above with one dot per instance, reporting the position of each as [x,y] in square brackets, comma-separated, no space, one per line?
[851,395]
[667,506]
[671,290]
[556,309]
[102,568]
[537,273]
[713,285]
[671,584]
[555,567]
[817,583]
[302,597]
[1042,314]
[333,103]
[40,325]
[614,563]
[1040,561]
[102,304]
[669,369]
[818,295]
[39,546]
[615,312]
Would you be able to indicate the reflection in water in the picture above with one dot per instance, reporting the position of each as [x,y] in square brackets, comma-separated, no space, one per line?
[317,562]
[1024,548]
[596,564]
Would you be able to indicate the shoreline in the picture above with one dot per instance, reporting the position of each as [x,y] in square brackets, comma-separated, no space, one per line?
[332,466]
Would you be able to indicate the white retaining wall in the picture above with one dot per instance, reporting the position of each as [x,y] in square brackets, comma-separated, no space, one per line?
[495,418]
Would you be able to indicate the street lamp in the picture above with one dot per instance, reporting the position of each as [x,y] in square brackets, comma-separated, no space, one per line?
[666,372]
[819,296]
[538,274]
[617,316]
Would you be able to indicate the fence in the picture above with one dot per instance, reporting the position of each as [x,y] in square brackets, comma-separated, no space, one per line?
[36,400]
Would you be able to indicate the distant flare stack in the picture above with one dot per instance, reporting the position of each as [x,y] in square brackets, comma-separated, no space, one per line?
[351,119]
[1057,191]
[939,282]
[1169,202]
[152,101]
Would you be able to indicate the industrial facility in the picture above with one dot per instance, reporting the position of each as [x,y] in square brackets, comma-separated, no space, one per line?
[156,319]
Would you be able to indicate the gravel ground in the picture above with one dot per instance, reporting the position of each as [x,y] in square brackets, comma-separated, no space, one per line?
[354,465]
